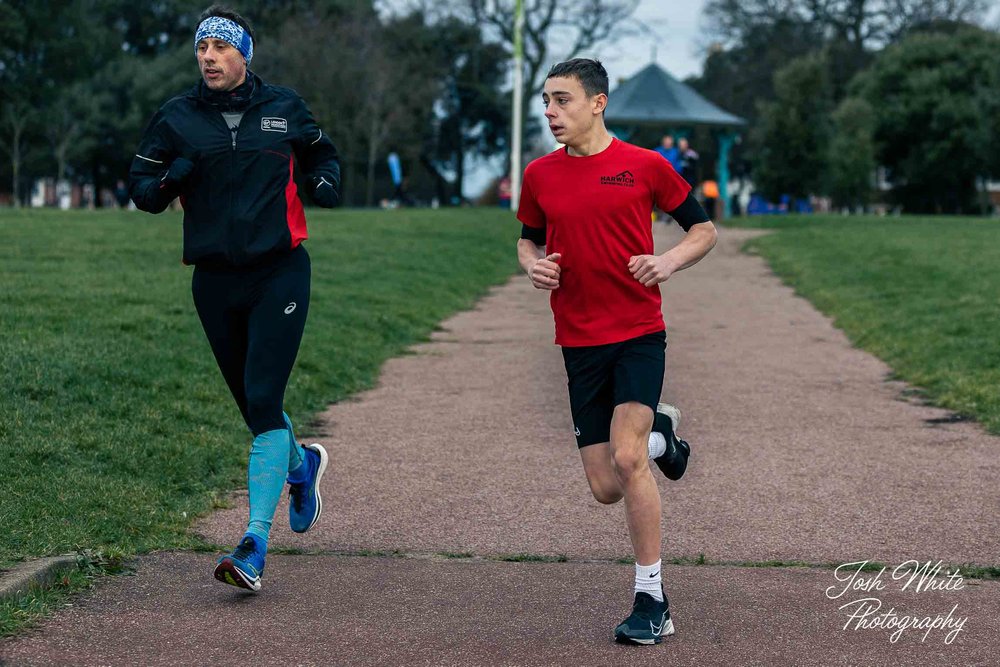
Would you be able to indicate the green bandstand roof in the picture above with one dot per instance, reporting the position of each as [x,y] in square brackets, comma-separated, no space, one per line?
[653,97]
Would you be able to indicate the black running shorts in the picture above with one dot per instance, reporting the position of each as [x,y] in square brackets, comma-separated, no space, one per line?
[604,376]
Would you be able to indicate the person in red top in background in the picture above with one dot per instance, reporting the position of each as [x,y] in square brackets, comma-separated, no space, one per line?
[504,192]
[586,237]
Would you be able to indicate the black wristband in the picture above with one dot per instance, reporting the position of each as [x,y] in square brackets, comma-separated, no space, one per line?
[689,213]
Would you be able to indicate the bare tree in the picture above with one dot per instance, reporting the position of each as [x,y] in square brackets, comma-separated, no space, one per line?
[65,128]
[862,23]
[363,85]
[731,21]
[585,23]
[899,16]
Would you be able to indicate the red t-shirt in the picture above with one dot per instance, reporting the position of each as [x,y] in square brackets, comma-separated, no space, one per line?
[597,213]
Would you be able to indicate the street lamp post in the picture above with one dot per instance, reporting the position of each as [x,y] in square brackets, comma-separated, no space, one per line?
[515,133]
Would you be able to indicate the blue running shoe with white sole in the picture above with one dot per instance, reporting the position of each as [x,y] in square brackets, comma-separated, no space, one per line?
[648,623]
[243,567]
[305,504]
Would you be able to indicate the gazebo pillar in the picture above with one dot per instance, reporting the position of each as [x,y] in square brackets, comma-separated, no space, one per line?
[726,141]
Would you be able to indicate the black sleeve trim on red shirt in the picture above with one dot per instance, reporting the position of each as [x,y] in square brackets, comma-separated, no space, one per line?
[534,234]
[689,213]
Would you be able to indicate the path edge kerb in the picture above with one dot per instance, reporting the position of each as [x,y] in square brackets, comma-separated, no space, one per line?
[34,574]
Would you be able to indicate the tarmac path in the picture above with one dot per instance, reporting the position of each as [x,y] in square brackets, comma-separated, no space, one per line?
[463,456]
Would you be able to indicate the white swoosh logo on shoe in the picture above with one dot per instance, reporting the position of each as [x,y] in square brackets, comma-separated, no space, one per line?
[657,629]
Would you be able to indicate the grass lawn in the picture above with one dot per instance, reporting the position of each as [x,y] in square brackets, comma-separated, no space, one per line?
[117,429]
[919,293]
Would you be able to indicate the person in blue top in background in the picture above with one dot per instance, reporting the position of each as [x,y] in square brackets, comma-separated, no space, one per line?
[670,152]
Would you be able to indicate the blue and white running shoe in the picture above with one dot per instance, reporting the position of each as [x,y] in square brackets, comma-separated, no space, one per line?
[305,504]
[243,567]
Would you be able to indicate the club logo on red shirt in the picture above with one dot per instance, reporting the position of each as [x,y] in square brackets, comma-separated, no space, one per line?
[624,179]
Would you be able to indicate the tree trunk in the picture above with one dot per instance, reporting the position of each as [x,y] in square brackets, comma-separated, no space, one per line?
[15,164]
[16,122]
[440,183]
[62,135]
[460,174]
[95,176]
[347,182]
[61,162]
[372,154]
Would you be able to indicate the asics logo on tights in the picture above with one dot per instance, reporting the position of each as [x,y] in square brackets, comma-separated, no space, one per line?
[290,308]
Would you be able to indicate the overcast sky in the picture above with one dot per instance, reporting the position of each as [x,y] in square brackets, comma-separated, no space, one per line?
[671,32]
[671,28]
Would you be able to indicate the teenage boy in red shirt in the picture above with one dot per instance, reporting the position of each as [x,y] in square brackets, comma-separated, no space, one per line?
[586,237]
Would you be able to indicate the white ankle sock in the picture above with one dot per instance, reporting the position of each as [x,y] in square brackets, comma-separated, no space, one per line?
[648,580]
[657,444]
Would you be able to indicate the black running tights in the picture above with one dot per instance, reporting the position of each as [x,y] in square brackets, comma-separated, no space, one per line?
[254,318]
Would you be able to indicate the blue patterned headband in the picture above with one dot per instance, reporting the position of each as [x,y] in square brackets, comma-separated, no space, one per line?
[218,27]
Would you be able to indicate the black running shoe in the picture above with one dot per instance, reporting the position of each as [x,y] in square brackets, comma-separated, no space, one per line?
[648,623]
[673,462]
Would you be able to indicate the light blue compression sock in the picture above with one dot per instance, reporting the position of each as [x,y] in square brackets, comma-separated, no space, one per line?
[295,454]
[266,479]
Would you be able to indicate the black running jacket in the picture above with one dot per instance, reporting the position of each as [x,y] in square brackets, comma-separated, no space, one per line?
[240,202]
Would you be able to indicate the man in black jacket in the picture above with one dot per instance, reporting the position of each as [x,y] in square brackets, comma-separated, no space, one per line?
[228,149]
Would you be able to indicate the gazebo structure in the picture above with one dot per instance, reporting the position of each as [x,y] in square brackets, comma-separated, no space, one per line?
[652,99]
